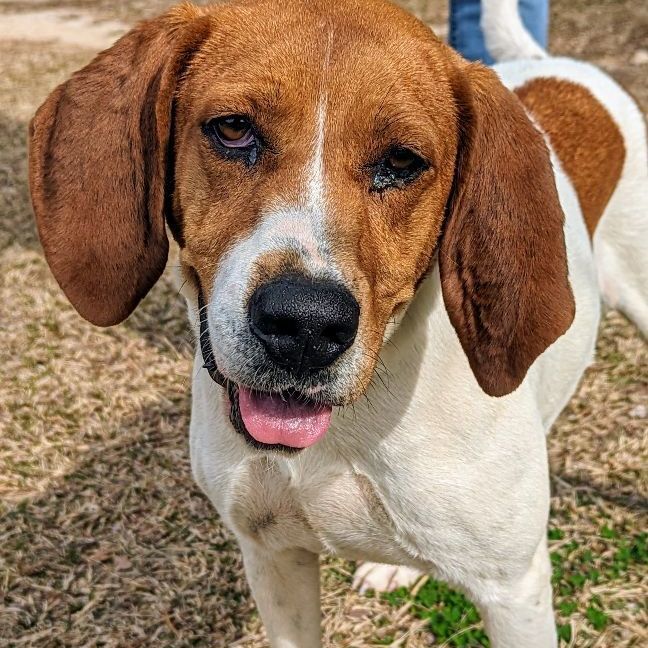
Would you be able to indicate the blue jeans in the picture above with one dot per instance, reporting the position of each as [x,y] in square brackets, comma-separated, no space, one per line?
[466,35]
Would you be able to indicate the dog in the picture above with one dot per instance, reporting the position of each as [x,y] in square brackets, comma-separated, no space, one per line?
[393,261]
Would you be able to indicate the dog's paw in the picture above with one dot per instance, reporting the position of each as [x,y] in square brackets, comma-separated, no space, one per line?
[383,578]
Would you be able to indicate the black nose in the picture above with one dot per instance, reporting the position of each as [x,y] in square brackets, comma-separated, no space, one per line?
[304,324]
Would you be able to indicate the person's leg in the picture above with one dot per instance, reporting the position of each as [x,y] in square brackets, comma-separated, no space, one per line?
[466,34]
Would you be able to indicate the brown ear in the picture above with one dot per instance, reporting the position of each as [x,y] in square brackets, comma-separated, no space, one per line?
[98,148]
[502,257]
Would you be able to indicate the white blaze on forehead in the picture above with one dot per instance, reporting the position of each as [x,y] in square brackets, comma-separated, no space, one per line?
[316,183]
[316,196]
[306,220]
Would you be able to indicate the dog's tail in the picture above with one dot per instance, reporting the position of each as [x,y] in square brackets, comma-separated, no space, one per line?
[505,35]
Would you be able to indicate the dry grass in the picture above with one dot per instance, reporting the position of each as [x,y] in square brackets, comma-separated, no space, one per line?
[105,541]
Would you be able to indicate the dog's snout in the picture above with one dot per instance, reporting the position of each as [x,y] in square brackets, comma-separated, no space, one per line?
[304,324]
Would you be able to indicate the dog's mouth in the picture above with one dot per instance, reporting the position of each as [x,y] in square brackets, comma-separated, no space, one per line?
[286,420]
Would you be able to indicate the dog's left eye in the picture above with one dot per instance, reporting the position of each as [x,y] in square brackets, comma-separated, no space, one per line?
[397,168]
[234,136]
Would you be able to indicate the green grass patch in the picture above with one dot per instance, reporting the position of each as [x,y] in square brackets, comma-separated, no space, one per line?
[450,616]
[576,565]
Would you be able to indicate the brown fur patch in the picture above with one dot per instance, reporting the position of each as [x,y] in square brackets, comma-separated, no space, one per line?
[271,265]
[585,137]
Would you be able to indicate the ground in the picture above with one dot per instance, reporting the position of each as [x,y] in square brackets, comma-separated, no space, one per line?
[104,539]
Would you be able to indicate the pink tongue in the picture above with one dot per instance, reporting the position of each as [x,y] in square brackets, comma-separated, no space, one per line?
[273,419]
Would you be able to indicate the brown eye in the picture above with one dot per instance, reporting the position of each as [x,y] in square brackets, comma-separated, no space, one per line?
[234,137]
[233,131]
[401,159]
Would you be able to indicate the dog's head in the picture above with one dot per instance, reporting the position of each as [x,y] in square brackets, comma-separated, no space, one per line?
[313,160]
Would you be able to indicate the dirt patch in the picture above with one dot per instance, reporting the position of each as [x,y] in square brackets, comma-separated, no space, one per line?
[64,26]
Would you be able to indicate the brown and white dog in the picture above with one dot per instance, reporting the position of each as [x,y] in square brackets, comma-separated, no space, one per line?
[353,200]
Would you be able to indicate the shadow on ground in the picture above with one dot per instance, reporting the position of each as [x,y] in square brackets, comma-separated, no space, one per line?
[127,524]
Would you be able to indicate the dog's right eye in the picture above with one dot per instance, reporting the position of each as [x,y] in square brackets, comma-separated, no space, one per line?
[234,131]
[234,137]
[397,168]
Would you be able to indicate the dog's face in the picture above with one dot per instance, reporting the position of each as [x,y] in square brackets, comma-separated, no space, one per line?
[311,160]
[315,155]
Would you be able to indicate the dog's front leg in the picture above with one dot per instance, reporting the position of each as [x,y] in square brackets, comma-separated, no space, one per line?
[519,613]
[285,586]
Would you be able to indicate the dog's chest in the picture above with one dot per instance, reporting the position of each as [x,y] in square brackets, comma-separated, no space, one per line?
[342,513]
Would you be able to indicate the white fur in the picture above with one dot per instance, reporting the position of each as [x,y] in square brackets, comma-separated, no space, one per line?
[383,578]
[316,186]
[432,474]
[505,35]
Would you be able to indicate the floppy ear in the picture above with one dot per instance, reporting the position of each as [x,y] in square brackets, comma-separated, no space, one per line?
[502,256]
[98,149]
